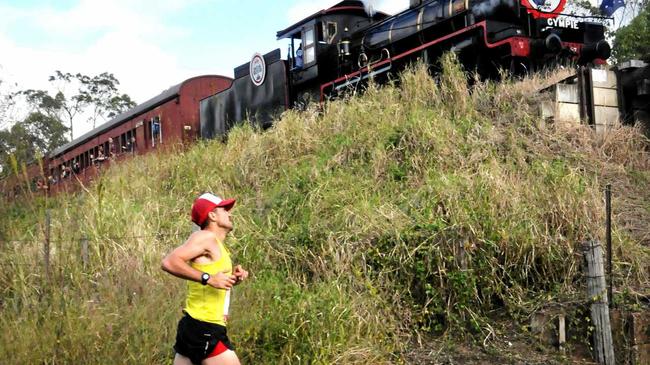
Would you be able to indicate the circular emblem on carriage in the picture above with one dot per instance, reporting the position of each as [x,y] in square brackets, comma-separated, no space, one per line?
[544,8]
[258,69]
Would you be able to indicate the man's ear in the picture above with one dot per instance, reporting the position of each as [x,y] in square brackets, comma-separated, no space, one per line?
[212,216]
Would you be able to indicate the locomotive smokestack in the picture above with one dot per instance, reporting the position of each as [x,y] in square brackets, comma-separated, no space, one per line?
[489,7]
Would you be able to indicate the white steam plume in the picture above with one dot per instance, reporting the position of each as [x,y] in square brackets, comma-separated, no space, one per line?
[371,6]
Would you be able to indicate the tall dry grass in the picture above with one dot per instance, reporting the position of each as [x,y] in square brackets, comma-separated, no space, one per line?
[418,209]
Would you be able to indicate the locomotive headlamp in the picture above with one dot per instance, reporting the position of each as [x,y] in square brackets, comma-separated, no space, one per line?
[344,48]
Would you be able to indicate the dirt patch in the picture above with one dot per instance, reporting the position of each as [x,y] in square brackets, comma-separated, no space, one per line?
[504,346]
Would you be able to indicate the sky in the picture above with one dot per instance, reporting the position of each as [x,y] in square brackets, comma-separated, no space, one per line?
[149,45]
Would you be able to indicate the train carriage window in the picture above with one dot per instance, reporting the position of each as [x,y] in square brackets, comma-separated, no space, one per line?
[122,145]
[155,127]
[93,154]
[309,55]
[147,131]
[156,131]
[130,141]
[309,46]
[76,166]
[309,37]
[330,29]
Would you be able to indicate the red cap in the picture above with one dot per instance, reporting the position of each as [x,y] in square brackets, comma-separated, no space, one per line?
[205,204]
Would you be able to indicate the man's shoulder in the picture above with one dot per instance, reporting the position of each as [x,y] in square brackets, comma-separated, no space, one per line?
[202,236]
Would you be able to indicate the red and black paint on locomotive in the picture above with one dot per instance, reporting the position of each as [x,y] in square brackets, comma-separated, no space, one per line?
[343,46]
[266,97]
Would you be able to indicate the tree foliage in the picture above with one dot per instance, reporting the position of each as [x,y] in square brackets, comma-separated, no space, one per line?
[633,40]
[6,103]
[34,136]
[50,121]
[94,97]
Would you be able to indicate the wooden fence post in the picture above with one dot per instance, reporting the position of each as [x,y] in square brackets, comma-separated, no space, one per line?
[46,252]
[608,238]
[84,251]
[597,290]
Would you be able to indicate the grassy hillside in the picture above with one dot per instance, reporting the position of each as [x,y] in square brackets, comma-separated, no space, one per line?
[391,218]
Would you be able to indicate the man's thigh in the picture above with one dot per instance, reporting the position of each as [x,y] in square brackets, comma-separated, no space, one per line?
[227,357]
[182,360]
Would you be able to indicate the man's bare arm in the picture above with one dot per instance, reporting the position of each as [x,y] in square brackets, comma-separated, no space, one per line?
[176,263]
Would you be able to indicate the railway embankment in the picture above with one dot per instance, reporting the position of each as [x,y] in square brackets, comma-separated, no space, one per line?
[425,223]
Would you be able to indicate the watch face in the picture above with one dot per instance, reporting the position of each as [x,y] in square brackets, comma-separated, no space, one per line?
[204,278]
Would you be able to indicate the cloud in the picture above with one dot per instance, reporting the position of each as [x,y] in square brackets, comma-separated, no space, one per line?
[392,6]
[304,8]
[131,39]
[125,40]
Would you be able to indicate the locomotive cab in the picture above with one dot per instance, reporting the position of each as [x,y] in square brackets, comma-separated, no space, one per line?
[315,43]
[306,43]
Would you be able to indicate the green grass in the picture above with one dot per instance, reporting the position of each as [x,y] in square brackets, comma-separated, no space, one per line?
[406,211]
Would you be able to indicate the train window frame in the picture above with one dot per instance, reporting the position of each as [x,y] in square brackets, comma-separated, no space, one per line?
[309,45]
[158,120]
[309,38]
[122,143]
[133,140]
[330,36]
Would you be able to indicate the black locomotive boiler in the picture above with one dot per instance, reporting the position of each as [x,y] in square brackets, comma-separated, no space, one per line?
[340,47]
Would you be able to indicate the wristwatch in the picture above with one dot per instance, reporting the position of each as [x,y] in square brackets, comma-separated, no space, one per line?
[204,278]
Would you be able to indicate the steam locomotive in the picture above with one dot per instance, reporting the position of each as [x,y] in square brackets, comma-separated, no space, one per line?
[342,47]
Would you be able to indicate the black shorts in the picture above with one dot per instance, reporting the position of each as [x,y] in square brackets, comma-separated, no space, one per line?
[198,340]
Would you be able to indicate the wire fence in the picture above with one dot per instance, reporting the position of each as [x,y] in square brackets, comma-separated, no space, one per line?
[81,241]
[94,239]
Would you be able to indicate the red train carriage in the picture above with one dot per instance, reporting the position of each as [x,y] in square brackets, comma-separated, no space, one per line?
[30,178]
[167,120]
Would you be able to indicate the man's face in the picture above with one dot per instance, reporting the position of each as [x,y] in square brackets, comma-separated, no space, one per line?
[222,218]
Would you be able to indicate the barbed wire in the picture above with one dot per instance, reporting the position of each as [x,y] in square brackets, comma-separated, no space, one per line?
[94,239]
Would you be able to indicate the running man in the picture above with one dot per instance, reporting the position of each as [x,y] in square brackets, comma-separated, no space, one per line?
[205,262]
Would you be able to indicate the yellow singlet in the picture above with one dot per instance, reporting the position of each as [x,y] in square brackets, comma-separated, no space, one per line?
[204,302]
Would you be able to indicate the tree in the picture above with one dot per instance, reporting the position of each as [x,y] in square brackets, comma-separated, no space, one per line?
[34,136]
[101,93]
[94,97]
[6,102]
[633,40]
[52,115]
